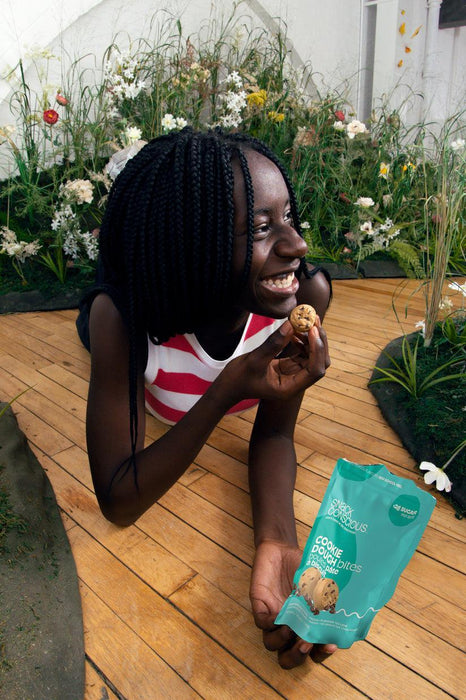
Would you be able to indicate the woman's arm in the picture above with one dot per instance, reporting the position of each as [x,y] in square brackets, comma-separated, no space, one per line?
[272,474]
[160,464]
[258,374]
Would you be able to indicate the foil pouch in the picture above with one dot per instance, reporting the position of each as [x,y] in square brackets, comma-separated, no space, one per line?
[366,531]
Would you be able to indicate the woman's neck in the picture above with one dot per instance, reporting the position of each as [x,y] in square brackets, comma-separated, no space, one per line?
[220,337]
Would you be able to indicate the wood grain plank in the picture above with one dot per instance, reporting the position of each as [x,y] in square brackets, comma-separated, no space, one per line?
[123,658]
[158,567]
[96,687]
[208,668]
[362,666]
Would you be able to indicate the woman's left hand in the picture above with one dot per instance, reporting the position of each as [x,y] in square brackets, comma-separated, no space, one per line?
[271,582]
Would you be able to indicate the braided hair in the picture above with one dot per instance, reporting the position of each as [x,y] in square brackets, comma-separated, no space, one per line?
[166,241]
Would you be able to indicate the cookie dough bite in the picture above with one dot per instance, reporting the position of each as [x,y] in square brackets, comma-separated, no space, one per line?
[307,583]
[325,595]
[302,318]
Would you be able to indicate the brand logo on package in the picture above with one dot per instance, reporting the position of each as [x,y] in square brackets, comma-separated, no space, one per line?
[343,513]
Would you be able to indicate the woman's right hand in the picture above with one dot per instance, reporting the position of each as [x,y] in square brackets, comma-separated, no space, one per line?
[266,373]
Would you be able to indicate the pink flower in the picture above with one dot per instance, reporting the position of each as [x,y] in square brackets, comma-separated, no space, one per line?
[340,115]
[50,116]
[61,100]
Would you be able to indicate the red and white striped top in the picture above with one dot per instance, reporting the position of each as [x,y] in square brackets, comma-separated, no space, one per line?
[179,371]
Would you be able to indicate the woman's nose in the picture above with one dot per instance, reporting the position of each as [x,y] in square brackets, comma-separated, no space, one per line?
[290,244]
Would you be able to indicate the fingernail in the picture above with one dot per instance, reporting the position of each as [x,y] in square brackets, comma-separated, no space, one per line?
[305,648]
[330,648]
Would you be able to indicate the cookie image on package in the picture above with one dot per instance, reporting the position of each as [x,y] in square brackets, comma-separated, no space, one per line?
[325,595]
[303,317]
[307,584]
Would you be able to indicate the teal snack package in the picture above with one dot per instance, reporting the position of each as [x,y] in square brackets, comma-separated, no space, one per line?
[366,531]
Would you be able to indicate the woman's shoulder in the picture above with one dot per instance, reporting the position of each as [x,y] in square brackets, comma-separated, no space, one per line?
[315,288]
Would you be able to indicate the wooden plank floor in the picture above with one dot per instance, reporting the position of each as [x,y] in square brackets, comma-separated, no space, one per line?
[165,602]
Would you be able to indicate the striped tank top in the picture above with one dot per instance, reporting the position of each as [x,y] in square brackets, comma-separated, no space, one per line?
[180,371]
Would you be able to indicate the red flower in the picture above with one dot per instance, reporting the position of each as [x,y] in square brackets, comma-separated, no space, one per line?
[340,115]
[61,100]
[50,116]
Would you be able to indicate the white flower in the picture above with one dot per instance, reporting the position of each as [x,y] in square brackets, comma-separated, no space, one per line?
[366,227]
[422,326]
[386,226]
[364,202]
[436,474]
[168,122]
[355,127]
[339,126]
[458,287]
[17,249]
[445,304]
[305,225]
[79,191]
[458,145]
[235,78]
[131,134]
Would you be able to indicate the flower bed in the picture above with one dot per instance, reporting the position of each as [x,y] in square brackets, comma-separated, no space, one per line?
[366,190]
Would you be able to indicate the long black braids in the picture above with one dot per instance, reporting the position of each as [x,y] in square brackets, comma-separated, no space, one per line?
[166,240]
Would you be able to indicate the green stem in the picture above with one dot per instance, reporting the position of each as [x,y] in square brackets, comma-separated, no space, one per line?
[455,453]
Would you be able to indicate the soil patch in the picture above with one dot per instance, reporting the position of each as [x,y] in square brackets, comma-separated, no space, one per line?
[41,631]
[433,425]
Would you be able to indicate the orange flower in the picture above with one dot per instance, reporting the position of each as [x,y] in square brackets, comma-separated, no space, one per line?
[400,63]
[407,49]
[61,100]
[50,116]
[416,31]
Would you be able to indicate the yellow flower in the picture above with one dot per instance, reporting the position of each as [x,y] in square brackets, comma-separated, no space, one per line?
[383,170]
[257,98]
[409,165]
[276,117]
[402,28]
[400,63]
[416,31]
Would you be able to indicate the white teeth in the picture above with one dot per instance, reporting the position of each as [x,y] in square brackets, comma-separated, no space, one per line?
[281,282]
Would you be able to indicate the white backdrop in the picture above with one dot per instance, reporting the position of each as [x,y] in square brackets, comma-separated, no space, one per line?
[344,41]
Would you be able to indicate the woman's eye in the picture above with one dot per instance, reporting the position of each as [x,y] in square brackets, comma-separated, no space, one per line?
[288,216]
[261,231]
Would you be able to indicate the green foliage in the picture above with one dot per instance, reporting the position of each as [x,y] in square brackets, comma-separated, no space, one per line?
[405,371]
[454,329]
[236,75]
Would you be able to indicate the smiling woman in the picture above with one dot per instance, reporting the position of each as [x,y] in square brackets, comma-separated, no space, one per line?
[202,260]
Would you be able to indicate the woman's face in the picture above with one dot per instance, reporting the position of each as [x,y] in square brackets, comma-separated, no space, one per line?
[272,285]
